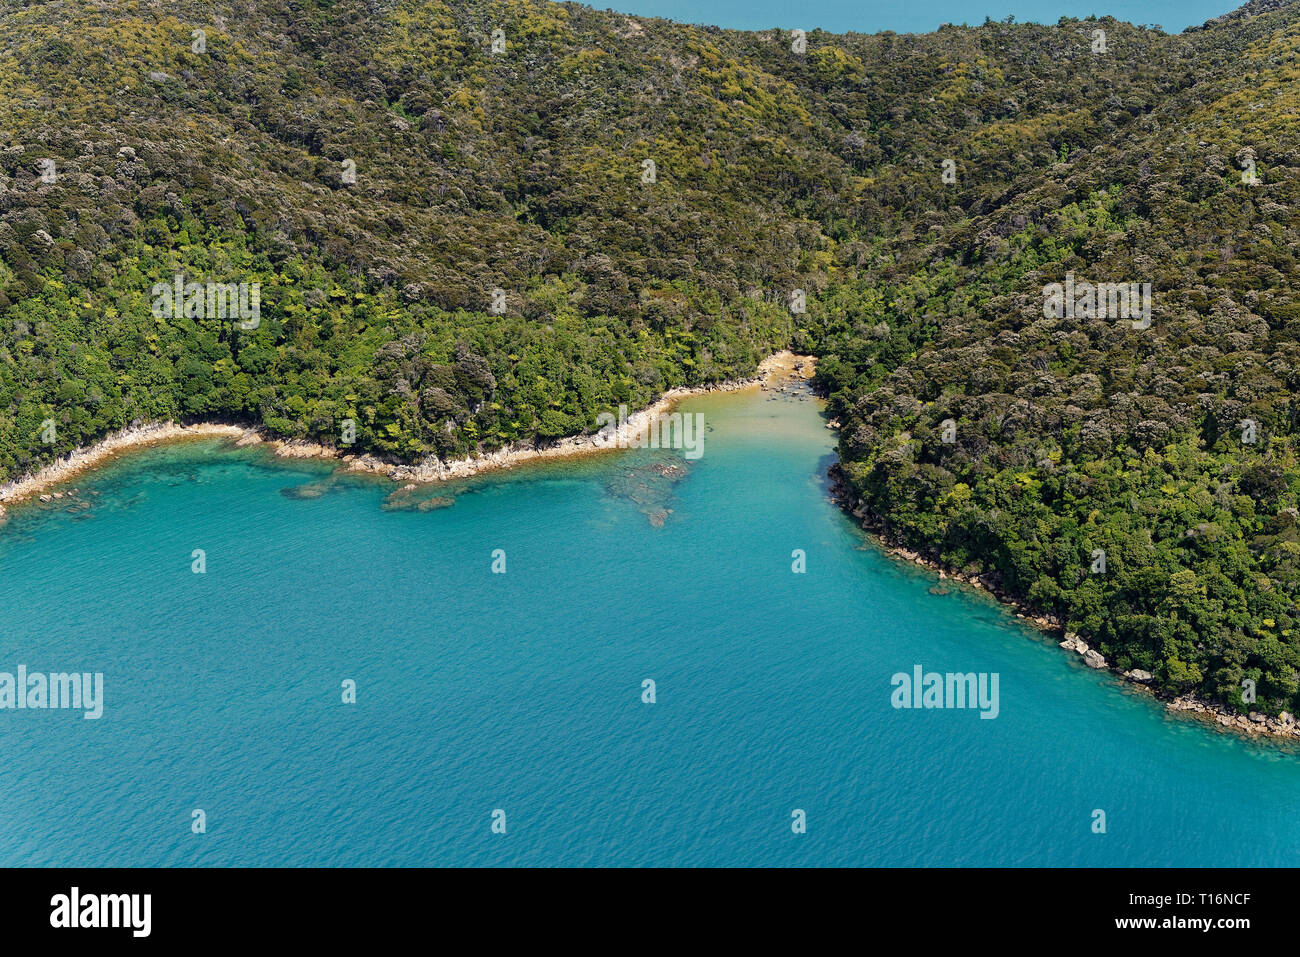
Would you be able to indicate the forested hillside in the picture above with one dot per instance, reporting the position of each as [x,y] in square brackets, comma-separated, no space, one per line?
[474,223]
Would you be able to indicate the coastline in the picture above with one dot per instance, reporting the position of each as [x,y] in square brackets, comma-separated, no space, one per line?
[1255,724]
[43,484]
[772,372]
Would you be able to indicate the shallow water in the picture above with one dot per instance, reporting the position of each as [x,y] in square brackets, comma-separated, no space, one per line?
[523,691]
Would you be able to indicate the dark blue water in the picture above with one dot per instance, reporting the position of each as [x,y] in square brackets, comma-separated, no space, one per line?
[842,16]
[523,691]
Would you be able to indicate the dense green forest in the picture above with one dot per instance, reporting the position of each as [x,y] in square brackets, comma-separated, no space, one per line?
[476,223]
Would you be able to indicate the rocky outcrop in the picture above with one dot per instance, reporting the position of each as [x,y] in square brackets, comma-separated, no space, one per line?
[1254,723]
[1073,642]
[1091,657]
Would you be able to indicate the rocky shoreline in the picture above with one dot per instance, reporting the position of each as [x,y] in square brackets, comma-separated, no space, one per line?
[1254,724]
[42,484]
[777,367]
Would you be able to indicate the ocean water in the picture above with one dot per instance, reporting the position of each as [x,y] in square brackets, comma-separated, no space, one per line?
[843,16]
[522,692]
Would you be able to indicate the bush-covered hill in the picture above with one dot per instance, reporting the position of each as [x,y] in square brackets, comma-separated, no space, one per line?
[133,149]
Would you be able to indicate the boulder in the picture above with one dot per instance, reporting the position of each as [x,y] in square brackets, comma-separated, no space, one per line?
[1137,674]
[1093,659]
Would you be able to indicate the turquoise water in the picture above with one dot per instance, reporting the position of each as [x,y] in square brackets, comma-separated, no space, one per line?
[522,691]
[842,16]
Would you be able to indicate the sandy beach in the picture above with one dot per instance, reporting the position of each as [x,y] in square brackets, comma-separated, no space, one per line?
[776,368]
[773,370]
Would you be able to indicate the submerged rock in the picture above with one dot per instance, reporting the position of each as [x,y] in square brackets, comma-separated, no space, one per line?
[308,491]
[429,504]
[650,485]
